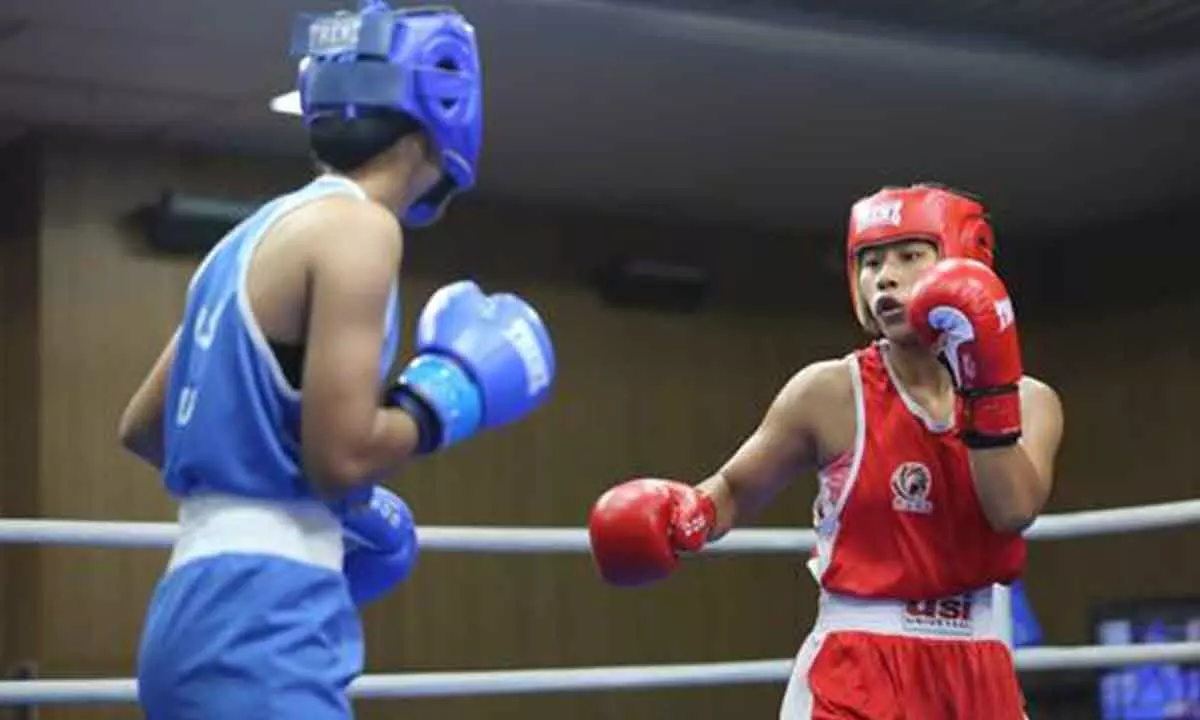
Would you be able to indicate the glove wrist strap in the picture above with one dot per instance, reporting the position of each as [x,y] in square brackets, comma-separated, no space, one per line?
[694,523]
[992,417]
[441,398]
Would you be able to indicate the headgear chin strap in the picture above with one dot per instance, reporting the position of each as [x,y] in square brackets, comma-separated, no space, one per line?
[423,62]
[955,222]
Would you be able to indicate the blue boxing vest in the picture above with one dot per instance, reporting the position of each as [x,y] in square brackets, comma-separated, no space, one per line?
[232,420]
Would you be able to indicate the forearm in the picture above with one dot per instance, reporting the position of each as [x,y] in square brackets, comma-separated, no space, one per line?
[140,429]
[387,445]
[141,426]
[735,502]
[147,444]
[721,492]
[394,440]
[1009,488]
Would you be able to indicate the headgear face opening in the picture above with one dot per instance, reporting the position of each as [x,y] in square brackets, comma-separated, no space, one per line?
[958,225]
[423,62]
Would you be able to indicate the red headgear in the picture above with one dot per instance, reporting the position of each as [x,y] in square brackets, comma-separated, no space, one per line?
[957,224]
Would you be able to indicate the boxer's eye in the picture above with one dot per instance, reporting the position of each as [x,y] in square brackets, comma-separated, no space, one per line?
[916,253]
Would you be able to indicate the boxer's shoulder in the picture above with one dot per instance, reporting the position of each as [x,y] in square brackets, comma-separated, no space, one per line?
[1038,396]
[342,224]
[823,382]
[1035,386]
[352,233]
[813,396]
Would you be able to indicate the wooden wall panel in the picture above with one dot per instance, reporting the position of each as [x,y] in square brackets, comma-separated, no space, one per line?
[20,171]
[1115,326]
[639,392]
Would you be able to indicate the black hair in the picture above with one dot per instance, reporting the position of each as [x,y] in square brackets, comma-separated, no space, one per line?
[346,144]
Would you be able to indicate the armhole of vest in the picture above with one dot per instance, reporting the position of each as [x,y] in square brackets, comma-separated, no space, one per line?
[257,337]
[818,564]
[393,323]
[337,181]
[860,432]
[208,259]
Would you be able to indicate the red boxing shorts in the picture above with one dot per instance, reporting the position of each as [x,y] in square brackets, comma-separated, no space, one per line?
[891,660]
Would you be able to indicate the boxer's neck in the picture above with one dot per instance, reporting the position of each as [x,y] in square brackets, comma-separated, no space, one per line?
[919,369]
[385,186]
[387,178]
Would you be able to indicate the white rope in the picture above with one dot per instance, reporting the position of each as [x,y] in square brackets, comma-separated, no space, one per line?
[88,533]
[1115,521]
[1038,659]
[626,677]
[67,692]
[92,533]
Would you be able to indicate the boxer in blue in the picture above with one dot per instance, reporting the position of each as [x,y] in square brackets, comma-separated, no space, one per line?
[282,400]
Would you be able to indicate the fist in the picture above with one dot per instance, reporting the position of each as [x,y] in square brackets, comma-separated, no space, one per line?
[498,339]
[381,545]
[638,528]
[482,361]
[962,310]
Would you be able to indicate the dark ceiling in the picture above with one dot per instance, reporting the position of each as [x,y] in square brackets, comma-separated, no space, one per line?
[1127,31]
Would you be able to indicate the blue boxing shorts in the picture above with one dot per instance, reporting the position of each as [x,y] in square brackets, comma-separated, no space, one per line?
[253,618]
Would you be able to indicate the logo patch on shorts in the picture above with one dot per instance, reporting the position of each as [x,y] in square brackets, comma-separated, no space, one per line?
[947,616]
[910,488]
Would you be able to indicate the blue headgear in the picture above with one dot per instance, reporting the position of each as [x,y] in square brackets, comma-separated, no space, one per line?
[421,61]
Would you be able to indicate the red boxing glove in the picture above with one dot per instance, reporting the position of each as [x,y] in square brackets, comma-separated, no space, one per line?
[962,309]
[638,528]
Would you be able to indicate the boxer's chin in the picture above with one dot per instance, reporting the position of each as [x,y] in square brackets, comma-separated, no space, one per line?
[900,332]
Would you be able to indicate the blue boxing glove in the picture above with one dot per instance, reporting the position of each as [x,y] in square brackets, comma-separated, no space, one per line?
[381,545]
[481,361]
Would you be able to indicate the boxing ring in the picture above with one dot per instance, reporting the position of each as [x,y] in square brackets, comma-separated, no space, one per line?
[497,540]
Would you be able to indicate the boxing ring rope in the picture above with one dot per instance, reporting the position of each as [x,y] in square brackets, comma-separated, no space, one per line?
[569,540]
[621,677]
[495,540]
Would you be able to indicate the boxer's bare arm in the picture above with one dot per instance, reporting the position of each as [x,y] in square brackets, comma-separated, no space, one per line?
[140,427]
[785,444]
[1013,483]
[346,437]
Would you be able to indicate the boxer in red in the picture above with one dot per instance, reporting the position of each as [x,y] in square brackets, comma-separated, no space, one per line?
[933,452]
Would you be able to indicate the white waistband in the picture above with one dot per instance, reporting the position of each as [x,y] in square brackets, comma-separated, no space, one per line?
[211,525]
[967,616]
